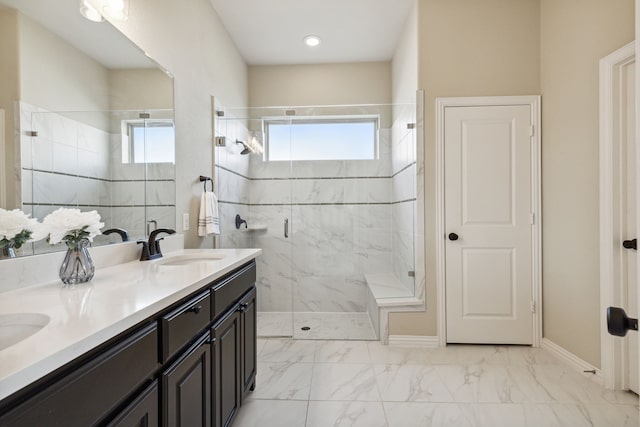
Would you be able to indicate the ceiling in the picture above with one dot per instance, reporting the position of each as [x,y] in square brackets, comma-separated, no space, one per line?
[272,31]
[101,41]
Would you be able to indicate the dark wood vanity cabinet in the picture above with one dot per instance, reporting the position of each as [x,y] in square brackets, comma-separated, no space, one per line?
[226,369]
[87,393]
[186,386]
[248,348]
[143,411]
[188,366]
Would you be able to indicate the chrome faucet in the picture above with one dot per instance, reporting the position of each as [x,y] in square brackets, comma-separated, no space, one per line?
[151,249]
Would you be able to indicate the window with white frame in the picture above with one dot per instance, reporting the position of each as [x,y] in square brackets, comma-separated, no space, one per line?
[148,141]
[325,138]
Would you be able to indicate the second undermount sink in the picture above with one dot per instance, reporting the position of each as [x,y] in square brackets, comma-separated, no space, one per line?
[190,259]
[16,327]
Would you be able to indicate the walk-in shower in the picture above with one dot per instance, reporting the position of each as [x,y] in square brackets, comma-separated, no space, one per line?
[329,194]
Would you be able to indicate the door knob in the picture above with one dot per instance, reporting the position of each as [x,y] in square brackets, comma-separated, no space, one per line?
[453,236]
[630,244]
[618,323]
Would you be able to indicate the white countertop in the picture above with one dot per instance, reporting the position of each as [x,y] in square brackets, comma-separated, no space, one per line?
[86,315]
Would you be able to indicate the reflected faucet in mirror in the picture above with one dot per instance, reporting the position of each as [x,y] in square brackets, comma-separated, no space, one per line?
[122,233]
[151,249]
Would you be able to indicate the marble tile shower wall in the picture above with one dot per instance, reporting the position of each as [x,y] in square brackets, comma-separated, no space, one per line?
[404,194]
[232,182]
[339,229]
[70,163]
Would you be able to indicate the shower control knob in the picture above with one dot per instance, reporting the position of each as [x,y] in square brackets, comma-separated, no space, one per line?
[453,237]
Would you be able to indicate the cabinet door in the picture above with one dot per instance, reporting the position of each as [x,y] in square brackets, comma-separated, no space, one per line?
[142,412]
[248,353]
[226,369]
[186,387]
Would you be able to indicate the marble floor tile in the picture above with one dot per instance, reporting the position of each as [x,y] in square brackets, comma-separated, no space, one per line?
[344,382]
[323,326]
[288,381]
[334,326]
[411,383]
[272,413]
[304,383]
[421,414]
[384,354]
[479,383]
[342,352]
[274,324]
[346,414]
[287,350]
[567,386]
[496,414]
[613,415]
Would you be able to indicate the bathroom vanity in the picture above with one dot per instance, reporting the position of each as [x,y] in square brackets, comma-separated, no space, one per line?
[170,342]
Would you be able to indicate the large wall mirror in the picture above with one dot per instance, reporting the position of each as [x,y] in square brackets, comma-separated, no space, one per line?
[88,121]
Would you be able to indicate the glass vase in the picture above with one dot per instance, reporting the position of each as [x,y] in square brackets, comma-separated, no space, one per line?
[77,266]
[9,251]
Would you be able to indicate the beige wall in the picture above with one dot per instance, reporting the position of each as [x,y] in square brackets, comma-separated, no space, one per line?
[8,95]
[321,84]
[574,36]
[467,48]
[189,40]
[404,66]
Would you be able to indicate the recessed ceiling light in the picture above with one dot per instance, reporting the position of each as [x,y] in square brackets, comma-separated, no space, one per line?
[312,41]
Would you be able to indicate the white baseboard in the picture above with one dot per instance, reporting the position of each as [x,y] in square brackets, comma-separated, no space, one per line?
[574,361]
[413,341]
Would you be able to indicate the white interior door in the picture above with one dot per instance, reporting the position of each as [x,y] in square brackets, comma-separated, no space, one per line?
[488,206]
[629,224]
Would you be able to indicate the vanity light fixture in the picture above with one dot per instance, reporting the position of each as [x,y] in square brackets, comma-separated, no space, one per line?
[312,41]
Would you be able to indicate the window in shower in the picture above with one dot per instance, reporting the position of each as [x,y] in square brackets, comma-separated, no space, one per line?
[343,138]
[148,141]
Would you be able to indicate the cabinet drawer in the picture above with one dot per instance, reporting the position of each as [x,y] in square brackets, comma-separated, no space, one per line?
[86,395]
[182,324]
[230,289]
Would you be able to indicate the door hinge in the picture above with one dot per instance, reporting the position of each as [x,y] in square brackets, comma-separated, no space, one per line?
[533,306]
[532,130]
[532,219]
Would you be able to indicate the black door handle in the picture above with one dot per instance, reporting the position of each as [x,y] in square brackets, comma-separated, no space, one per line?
[453,236]
[630,244]
[618,323]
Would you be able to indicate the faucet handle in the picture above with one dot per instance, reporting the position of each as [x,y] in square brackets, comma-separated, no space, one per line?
[145,255]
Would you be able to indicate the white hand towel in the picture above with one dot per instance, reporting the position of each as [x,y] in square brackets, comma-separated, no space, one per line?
[209,219]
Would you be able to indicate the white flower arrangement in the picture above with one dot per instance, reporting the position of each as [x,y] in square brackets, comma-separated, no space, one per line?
[71,226]
[16,229]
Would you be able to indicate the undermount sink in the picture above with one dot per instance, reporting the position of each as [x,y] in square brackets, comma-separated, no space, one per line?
[190,259]
[19,326]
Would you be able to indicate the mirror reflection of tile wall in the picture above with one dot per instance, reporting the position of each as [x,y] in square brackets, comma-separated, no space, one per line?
[75,160]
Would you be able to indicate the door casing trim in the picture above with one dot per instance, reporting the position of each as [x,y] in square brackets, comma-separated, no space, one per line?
[533,101]
[613,352]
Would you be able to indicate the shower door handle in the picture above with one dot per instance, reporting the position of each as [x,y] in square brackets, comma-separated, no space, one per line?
[286,228]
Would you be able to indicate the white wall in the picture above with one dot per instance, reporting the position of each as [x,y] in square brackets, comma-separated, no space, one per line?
[189,40]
